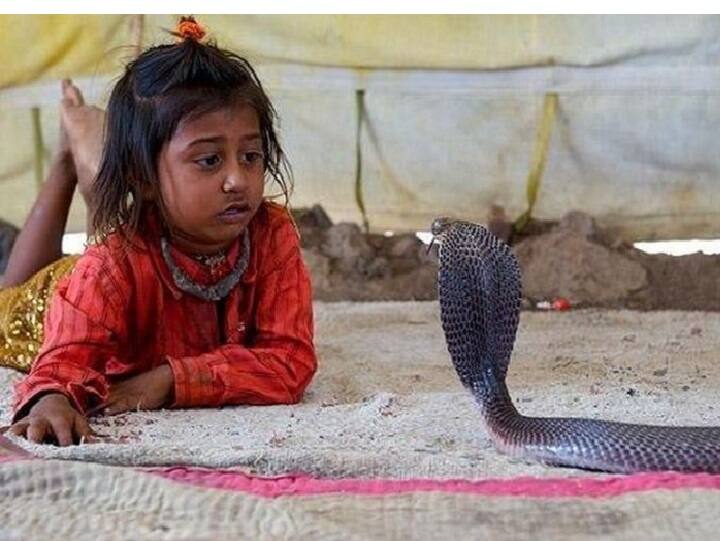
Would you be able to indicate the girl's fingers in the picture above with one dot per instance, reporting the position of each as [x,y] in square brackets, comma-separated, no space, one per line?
[115,409]
[67,99]
[76,95]
[100,409]
[108,406]
[71,94]
[118,403]
[19,429]
[61,428]
[36,430]
[82,428]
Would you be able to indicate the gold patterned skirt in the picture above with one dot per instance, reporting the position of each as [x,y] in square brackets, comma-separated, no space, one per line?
[22,310]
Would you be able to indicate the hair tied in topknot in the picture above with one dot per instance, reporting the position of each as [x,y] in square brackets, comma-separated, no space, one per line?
[189,28]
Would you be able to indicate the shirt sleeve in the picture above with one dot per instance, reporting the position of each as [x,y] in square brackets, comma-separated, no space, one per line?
[278,365]
[83,326]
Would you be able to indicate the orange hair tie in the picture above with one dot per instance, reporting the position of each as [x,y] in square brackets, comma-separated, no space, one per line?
[189,28]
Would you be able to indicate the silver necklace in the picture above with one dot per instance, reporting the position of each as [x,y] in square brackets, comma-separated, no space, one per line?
[211,261]
[217,291]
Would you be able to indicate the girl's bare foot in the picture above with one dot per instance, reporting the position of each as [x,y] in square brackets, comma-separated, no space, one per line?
[64,148]
[62,166]
[83,126]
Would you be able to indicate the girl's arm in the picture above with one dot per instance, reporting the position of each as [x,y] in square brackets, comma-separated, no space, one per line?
[85,323]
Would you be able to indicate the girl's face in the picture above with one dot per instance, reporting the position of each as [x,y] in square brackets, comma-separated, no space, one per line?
[212,177]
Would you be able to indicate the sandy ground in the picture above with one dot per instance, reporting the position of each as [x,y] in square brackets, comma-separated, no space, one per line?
[386,401]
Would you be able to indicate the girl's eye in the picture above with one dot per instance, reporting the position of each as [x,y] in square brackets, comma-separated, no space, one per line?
[251,157]
[208,162]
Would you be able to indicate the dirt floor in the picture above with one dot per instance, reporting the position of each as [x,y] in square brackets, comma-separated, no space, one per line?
[572,258]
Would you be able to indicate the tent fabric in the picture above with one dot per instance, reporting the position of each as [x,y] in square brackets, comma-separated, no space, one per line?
[453,108]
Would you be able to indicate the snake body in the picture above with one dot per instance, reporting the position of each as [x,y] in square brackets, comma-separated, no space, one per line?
[479,289]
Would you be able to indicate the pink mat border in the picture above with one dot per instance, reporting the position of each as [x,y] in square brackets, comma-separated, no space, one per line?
[525,487]
[10,451]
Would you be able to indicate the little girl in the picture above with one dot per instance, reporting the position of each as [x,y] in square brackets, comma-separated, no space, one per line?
[195,293]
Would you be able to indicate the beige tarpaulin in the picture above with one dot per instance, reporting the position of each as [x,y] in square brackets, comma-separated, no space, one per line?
[452,110]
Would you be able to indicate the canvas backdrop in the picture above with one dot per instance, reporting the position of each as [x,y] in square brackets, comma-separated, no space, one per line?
[452,106]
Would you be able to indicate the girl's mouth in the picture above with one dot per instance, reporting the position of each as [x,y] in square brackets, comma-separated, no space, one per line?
[235,213]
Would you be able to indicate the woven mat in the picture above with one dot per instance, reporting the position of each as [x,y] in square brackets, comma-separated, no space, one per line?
[42,500]
[385,428]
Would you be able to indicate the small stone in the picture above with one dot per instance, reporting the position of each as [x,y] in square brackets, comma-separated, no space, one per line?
[566,264]
[315,217]
[404,246]
[346,241]
[499,224]
[319,268]
[578,222]
[377,268]
[660,372]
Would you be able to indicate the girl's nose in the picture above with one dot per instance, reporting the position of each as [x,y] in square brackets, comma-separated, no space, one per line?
[234,180]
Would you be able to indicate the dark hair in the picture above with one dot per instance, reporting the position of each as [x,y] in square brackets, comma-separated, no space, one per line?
[163,86]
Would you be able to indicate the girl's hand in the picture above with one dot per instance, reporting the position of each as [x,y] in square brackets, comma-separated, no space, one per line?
[53,419]
[147,391]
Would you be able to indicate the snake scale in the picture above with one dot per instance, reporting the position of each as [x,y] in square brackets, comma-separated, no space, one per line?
[479,289]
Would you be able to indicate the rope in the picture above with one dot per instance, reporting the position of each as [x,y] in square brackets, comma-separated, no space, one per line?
[360,100]
[542,143]
[38,146]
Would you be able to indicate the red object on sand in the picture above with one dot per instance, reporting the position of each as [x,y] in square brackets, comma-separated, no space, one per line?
[561,304]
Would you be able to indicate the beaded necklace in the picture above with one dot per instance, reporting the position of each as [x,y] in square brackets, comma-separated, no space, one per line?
[220,289]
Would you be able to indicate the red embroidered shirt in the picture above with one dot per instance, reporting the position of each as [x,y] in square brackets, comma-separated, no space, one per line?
[119,315]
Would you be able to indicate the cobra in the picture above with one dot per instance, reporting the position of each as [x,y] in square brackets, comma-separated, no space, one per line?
[479,289]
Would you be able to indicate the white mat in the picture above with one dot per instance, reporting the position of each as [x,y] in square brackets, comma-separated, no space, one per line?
[387,403]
